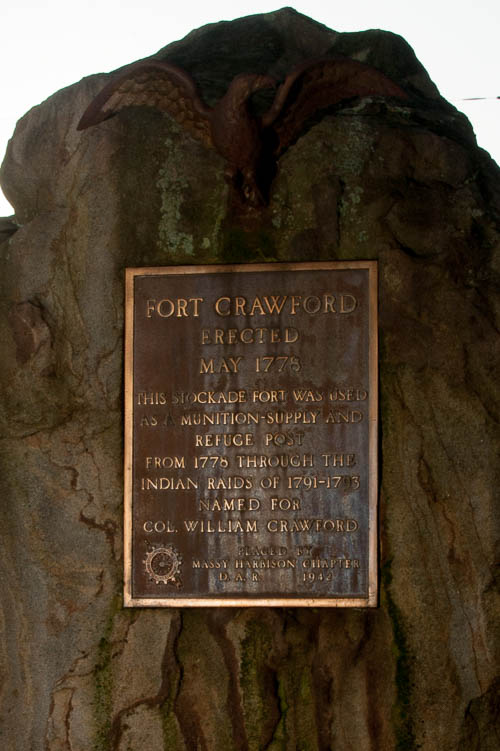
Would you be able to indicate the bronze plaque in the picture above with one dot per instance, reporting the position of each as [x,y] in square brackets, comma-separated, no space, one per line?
[251,435]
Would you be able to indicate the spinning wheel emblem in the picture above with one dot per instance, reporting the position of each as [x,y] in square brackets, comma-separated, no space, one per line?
[162,564]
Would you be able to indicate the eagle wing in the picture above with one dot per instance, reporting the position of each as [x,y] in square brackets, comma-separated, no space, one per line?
[157,84]
[317,85]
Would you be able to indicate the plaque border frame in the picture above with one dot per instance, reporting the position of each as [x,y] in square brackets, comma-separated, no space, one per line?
[371,600]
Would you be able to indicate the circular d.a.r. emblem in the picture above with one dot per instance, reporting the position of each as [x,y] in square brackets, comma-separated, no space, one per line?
[162,564]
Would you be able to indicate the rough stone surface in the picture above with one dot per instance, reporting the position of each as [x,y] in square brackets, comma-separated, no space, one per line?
[403,183]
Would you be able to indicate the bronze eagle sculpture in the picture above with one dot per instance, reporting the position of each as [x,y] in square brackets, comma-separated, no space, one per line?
[251,144]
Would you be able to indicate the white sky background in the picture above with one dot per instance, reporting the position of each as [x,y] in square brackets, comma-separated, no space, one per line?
[48,44]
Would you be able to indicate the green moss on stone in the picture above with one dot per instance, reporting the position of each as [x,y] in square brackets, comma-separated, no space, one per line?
[255,648]
[306,722]
[172,738]
[404,732]
[192,202]
[279,742]
[103,683]
[241,246]
[170,239]
[291,687]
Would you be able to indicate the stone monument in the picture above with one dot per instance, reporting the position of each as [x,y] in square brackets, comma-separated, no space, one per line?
[395,180]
